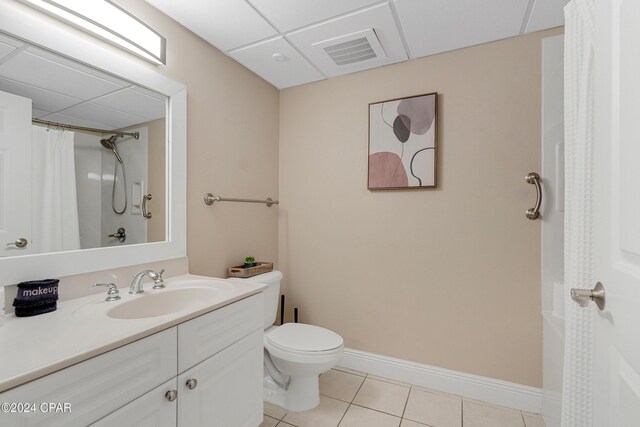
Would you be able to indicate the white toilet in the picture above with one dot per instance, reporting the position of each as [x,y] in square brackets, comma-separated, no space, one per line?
[295,354]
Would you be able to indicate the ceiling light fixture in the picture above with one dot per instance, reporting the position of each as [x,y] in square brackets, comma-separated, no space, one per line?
[104,19]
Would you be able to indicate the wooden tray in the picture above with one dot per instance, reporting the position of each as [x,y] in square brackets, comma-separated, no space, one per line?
[240,271]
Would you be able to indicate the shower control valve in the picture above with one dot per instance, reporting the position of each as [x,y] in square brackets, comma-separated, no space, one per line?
[121,235]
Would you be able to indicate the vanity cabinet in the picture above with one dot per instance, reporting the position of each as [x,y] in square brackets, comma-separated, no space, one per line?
[212,363]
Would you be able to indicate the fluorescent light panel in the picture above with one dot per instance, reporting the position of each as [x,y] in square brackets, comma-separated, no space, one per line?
[107,21]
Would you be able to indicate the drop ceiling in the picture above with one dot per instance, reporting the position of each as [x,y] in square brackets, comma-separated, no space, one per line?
[284,41]
[67,92]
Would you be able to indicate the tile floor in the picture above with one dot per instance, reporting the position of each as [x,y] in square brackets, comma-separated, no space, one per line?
[354,399]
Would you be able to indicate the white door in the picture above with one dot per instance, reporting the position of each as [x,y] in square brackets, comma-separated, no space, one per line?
[15,174]
[617,213]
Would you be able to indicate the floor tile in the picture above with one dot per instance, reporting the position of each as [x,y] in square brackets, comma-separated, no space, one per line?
[340,385]
[481,415]
[350,371]
[382,396]
[283,424]
[274,411]
[434,409]
[357,416]
[533,420]
[269,422]
[408,423]
[387,380]
[327,414]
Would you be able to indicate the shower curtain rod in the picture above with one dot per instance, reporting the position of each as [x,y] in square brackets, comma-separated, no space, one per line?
[136,135]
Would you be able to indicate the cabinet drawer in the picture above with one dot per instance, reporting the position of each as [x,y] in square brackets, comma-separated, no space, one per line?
[98,386]
[150,410]
[204,336]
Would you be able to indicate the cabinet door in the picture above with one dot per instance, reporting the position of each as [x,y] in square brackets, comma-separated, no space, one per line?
[98,386]
[229,388]
[150,410]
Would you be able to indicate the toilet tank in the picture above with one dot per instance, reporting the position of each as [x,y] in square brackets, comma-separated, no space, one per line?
[271,294]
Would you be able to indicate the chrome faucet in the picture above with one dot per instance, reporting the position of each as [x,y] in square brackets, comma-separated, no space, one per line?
[136,283]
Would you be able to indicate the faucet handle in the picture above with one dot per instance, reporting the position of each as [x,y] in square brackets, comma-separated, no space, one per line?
[158,281]
[113,294]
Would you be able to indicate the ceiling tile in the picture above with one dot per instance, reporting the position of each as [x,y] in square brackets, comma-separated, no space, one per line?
[546,14]
[379,18]
[42,99]
[226,24]
[6,39]
[43,73]
[68,120]
[150,93]
[113,119]
[135,103]
[38,113]
[293,71]
[53,57]
[434,26]
[288,15]
[5,50]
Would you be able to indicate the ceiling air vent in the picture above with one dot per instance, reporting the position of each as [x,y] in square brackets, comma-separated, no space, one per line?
[353,48]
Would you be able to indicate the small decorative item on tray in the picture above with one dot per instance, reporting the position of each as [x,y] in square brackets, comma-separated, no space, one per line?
[250,268]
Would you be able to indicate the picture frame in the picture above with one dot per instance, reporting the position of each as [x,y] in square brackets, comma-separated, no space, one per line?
[403,143]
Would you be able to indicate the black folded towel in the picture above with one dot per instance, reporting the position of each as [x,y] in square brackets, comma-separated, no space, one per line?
[34,311]
[36,297]
[34,303]
[38,290]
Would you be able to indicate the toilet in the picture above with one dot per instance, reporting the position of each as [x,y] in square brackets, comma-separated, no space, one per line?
[295,354]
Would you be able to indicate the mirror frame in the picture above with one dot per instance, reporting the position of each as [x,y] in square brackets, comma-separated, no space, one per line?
[33,26]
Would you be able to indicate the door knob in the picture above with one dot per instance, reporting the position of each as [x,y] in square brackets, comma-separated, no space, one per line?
[20,243]
[171,395]
[584,296]
[192,383]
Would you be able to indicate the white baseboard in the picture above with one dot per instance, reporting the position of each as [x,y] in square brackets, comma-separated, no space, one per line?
[471,386]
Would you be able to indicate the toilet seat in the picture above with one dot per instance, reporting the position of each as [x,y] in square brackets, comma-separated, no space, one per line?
[302,339]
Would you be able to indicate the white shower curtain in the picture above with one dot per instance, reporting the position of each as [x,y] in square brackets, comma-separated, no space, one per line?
[578,223]
[53,195]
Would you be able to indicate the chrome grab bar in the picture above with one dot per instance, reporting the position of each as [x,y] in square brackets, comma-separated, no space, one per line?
[534,212]
[209,199]
[144,206]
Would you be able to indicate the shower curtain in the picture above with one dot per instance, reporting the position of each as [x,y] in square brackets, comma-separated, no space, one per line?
[54,199]
[578,224]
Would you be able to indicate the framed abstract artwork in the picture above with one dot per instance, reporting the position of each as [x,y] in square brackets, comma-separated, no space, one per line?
[403,137]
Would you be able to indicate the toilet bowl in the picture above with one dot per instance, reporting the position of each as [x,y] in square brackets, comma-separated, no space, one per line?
[295,354]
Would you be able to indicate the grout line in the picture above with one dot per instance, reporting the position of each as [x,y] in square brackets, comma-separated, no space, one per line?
[406,402]
[375,410]
[358,391]
[524,422]
[343,415]
[461,412]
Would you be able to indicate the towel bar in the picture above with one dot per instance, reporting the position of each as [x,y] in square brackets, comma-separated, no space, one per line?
[210,198]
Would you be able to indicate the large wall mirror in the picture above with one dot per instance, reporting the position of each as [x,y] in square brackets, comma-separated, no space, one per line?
[92,150]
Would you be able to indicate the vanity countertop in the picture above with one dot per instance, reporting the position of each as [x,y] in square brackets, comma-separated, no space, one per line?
[79,329]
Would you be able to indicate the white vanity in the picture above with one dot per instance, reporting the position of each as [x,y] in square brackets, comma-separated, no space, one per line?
[197,363]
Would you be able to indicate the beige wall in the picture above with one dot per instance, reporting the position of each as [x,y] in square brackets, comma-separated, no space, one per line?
[447,277]
[232,148]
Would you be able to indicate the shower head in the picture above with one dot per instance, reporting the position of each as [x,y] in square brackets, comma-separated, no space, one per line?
[110,144]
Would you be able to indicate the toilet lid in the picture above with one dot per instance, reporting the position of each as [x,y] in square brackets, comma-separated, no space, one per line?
[301,337]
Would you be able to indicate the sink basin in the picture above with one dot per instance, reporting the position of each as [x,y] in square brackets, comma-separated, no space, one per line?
[160,304]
